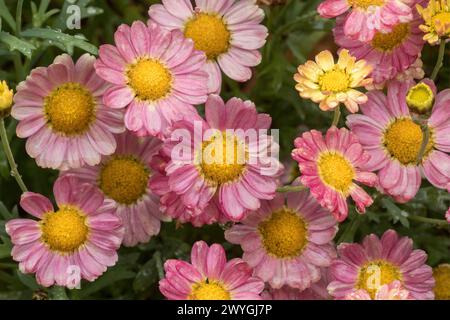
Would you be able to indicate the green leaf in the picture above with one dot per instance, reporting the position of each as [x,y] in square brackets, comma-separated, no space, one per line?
[175,248]
[15,43]
[61,40]
[146,276]
[28,280]
[5,250]
[40,16]
[5,14]
[5,213]
[397,214]
[6,277]
[108,279]
[348,234]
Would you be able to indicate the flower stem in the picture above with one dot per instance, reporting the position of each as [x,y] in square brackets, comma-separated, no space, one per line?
[285,189]
[7,149]
[439,62]
[337,116]
[423,146]
[437,222]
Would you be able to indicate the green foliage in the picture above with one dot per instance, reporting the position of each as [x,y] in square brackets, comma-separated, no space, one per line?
[296,35]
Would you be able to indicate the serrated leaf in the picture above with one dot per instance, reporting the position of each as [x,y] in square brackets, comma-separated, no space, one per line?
[61,40]
[17,44]
[397,214]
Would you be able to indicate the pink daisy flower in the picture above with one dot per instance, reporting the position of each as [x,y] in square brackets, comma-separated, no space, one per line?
[317,291]
[229,158]
[367,17]
[60,111]
[447,215]
[123,179]
[389,53]
[378,262]
[228,31]
[393,140]
[391,291]
[287,240]
[329,166]
[80,238]
[155,74]
[172,204]
[209,276]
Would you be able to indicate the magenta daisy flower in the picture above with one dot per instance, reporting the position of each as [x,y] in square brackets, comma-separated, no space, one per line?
[287,240]
[389,53]
[393,140]
[329,166]
[209,276]
[391,291]
[226,156]
[60,111]
[378,262]
[79,240]
[228,31]
[123,179]
[367,17]
[155,74]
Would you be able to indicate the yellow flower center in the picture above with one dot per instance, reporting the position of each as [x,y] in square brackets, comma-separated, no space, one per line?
[391,40]
[222,158]
[209,33]
[375,274]
[124,179]
[150,79]
[420,98]
[440,21]
[70,109]
[65,230]
[209,290]
[335,80]
[403,140]
[336,171]
[366,4]
[284,234]
[441,275]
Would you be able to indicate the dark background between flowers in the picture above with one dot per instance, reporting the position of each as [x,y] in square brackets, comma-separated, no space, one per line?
[296,34]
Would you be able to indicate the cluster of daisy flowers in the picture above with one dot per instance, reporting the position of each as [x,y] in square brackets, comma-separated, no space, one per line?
[133,151]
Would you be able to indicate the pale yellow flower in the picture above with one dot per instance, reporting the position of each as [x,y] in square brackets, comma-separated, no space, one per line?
[6,99]
[436,18]
[330,83]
